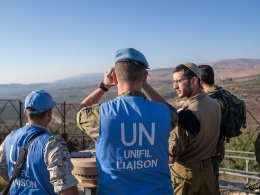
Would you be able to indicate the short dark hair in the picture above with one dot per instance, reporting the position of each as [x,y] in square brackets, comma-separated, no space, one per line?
[207,74]
[130,71]
[187,72]
[31,113]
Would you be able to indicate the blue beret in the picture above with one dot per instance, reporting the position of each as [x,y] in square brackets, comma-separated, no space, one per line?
[130,54]
[40,101]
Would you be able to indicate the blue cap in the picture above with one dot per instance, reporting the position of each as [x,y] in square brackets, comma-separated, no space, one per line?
[40,101]
[128,54]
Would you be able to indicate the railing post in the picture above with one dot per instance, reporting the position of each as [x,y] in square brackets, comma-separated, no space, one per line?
[247,162]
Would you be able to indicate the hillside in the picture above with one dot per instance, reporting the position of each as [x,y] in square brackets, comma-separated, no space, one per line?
[62,90]
[240,76]
[75,88]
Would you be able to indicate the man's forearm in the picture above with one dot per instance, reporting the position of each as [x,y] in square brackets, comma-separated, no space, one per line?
[93,98]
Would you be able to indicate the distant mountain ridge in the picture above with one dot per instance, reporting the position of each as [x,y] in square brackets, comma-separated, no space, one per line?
[236,63]
[75,88]
[80,79]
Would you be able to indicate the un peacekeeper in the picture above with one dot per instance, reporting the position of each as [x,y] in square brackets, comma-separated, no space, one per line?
[131,132]
[209,87]
[192,171]
[47,169]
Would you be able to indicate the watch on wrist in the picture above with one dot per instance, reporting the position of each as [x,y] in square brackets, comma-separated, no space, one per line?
[102,86]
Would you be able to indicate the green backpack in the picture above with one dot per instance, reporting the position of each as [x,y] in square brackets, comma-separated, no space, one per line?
[233,113]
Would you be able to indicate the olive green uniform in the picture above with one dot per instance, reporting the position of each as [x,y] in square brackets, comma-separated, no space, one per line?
[220,152]
[192,171]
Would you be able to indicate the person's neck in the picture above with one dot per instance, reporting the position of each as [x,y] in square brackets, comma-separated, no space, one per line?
[124,87]
[207,87]
[38,123]
[194,92]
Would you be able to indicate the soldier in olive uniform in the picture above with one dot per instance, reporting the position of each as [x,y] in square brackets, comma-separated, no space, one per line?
[209,87]
[192,171]
[47,169]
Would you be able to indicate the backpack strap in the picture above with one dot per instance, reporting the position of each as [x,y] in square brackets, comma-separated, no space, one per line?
[218,94]
[20,161]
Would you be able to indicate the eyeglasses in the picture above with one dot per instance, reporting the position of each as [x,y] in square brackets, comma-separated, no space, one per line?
[179,81]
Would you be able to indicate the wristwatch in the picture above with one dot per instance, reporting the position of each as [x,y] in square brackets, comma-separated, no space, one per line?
[102,86]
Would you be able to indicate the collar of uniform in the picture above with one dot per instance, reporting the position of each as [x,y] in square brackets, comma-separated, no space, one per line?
[35,125]
[133,93]
[195,98]
[213,89]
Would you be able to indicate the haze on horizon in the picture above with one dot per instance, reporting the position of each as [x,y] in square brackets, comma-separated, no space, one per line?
[44,41]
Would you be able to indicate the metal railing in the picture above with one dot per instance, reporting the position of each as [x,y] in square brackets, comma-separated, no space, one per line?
[246,174]
[63,122]
[243,155]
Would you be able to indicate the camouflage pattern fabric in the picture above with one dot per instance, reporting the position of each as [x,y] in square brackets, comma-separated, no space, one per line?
[133,93]
[88,121]
[3,163]
[57,160]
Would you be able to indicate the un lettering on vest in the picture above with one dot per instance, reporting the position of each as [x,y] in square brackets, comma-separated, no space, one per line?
[23,182]
[137,159]
[24,179]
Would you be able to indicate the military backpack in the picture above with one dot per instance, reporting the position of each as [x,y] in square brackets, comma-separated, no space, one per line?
[233,113]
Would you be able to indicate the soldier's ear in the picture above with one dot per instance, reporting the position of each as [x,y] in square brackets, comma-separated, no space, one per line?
[114,78]
[195,80]
[145,76]
[202,82]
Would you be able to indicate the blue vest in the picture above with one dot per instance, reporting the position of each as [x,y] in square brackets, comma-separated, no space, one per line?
[132,150]
[34,177]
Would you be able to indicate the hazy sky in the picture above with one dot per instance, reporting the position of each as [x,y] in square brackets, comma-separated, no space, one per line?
[45,40]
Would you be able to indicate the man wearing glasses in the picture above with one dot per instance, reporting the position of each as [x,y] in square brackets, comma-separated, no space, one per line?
[192,171]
